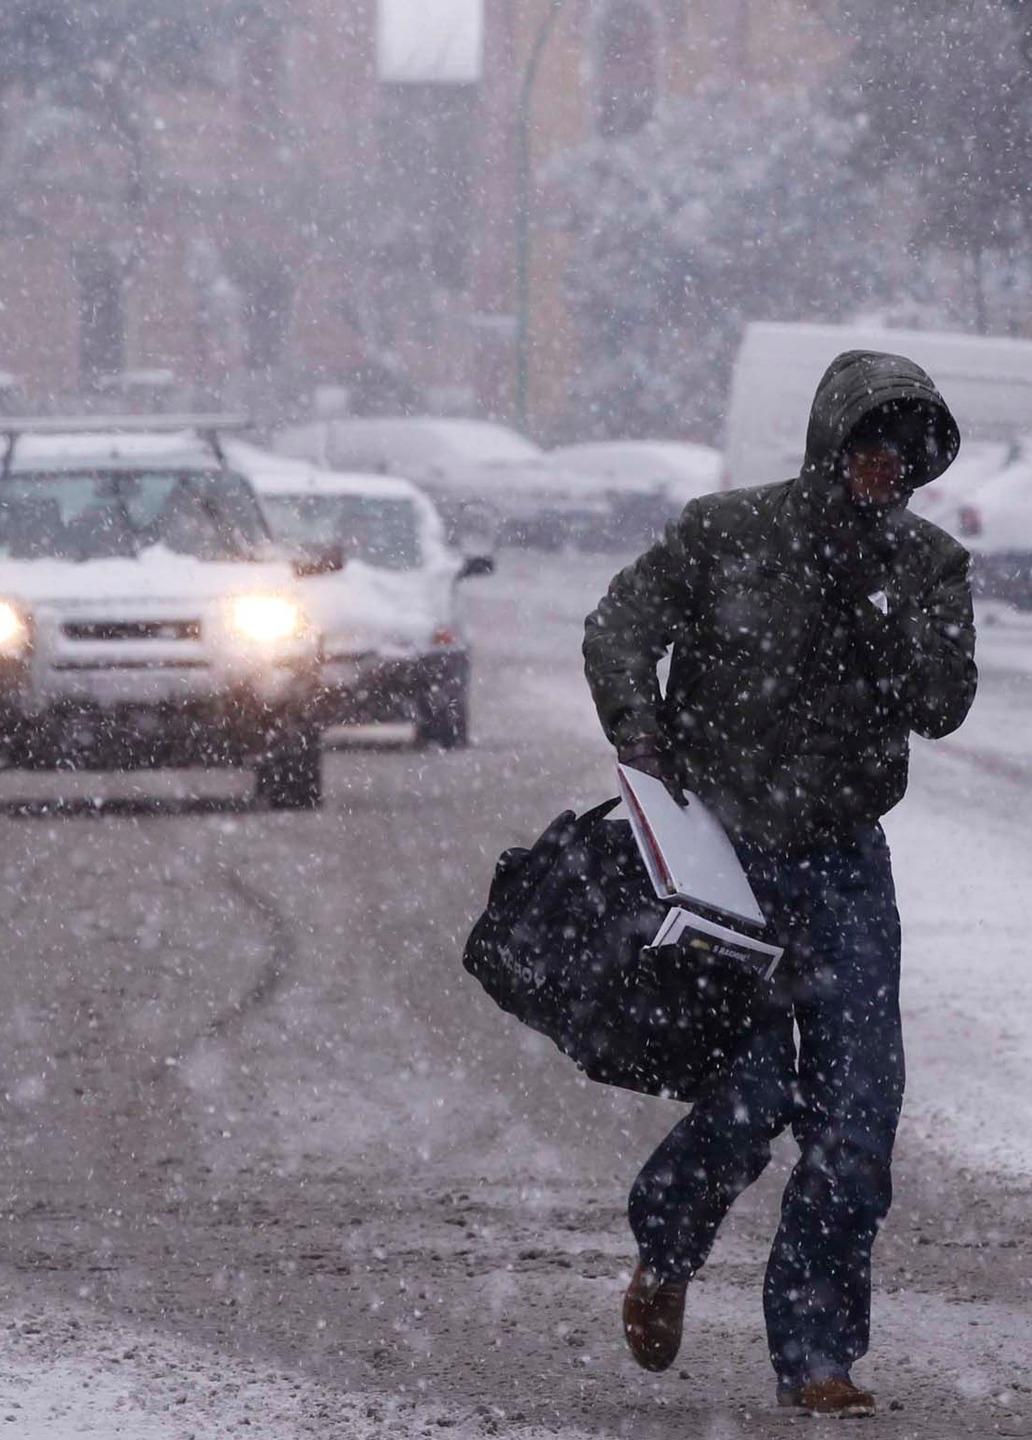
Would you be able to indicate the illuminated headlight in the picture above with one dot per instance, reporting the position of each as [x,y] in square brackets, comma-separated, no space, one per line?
[14,631]
[266,619]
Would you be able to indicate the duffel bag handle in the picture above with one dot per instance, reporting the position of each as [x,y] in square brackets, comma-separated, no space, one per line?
[590,817]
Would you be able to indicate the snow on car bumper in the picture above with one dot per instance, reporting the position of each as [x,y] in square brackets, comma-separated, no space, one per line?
[149,683]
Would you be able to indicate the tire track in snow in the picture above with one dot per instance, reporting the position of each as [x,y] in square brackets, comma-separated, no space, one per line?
[274,973]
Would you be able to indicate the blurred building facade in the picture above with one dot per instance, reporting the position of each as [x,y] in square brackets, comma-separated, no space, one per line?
[330,208]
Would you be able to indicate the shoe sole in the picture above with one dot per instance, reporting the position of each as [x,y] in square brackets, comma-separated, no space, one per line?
[655,1364]
[847,1412]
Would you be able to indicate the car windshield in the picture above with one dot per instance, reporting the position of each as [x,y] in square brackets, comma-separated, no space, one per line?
[98,515]
[381,531]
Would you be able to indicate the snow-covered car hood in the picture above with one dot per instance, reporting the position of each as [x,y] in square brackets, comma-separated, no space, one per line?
[390,612]
[156,575]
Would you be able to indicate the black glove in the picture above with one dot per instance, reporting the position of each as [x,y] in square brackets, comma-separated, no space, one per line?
[651,757]
[882,645]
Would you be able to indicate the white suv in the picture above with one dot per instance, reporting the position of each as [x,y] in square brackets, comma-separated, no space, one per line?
[146,617]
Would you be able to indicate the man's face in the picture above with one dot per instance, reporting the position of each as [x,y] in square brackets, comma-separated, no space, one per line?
[875,473]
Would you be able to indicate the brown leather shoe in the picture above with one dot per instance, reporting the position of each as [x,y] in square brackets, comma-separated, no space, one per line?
[830,1397]
[653,1318]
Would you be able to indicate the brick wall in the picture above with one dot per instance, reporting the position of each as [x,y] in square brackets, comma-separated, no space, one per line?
[302,224]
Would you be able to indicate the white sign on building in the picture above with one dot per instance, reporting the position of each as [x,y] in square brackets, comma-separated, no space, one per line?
[430,41]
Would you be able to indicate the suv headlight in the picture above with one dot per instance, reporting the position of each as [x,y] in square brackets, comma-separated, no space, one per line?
[14,630]
[266,619]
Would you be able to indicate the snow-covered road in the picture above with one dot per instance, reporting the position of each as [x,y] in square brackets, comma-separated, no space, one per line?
[273,1165]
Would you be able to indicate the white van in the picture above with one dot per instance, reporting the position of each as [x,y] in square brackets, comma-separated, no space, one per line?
[985,380]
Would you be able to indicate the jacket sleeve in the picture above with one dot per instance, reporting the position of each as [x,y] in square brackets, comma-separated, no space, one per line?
[626,636]
[938,676]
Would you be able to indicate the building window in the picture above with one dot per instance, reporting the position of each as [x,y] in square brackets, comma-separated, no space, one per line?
[102,316]
[626,68]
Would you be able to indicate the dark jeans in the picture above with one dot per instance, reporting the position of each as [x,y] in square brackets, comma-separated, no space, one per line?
[835,910]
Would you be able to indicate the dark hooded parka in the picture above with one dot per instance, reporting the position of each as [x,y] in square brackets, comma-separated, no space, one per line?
[792,692]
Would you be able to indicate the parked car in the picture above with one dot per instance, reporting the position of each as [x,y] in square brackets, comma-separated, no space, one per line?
[996,526]
[646,483]
[394,644]
[946,499]
[488,481]
[538,504]
[146,618]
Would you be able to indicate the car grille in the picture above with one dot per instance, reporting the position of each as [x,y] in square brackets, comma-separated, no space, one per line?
[132,629]
[106,665]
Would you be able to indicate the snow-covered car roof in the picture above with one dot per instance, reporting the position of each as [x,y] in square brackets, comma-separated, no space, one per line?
[668,457]
[417,441]
[181,450]
[272,474]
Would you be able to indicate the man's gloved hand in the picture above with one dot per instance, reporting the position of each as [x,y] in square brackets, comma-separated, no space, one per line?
[882,644]
[651,757]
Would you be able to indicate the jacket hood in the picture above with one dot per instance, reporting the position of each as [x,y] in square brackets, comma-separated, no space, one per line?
[858,382]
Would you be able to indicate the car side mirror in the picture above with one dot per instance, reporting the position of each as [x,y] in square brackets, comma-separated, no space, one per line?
[473,565]
[318,560]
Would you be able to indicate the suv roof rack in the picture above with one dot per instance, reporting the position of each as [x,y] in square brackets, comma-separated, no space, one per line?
[206,426]
[124,424]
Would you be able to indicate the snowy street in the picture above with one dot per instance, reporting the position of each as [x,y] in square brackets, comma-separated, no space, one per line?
[273,1165]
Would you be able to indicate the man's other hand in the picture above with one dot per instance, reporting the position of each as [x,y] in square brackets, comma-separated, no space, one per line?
[650,757]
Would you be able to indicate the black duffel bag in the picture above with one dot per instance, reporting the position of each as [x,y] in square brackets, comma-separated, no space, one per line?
[564,946]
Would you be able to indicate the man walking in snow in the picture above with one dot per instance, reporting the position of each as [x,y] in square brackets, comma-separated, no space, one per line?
[814,625]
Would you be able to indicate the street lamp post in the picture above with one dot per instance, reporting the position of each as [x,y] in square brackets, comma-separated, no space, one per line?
[523,165]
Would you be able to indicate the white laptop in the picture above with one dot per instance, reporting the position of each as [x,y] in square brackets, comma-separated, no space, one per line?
[685,849]
[692,864]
